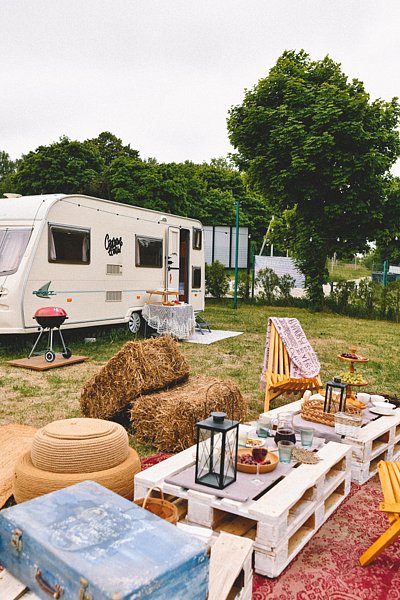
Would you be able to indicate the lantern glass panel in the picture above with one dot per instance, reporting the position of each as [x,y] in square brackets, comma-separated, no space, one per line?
[230,455]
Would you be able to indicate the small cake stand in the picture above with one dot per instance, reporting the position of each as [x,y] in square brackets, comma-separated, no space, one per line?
[359,359]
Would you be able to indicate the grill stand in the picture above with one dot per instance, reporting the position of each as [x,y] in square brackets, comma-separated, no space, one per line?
[50,354]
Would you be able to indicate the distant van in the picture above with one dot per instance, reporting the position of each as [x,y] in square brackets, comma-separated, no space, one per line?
[95,258]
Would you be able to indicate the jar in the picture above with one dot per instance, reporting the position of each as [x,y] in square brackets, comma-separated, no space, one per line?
[285,428]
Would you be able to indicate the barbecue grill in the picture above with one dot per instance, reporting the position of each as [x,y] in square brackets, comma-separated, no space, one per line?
[51,317]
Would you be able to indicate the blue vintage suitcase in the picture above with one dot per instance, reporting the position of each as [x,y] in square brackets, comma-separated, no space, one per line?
[87,543]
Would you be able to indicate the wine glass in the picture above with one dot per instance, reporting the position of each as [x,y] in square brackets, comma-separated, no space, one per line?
[259,455]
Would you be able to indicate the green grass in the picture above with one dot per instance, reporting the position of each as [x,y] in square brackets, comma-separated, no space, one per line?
[241,358]
[36,398]
[25,391]
[344,272]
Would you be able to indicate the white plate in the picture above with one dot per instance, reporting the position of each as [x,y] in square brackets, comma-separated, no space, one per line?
[386,412]
[260,443]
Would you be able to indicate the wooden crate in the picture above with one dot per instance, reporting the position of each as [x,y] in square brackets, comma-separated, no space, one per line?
[281,521]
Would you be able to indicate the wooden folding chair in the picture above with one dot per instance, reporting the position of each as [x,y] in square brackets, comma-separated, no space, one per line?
[389,474]
[277,374]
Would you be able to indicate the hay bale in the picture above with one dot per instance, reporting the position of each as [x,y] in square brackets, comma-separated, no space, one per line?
[167,420]
[138,368]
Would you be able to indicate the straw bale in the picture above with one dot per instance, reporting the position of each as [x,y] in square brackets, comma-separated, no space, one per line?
[168,419]
[140,367]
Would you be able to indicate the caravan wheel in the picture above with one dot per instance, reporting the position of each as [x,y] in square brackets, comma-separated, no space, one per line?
[134,323]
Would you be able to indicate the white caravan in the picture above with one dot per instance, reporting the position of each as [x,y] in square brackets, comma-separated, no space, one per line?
[95,258]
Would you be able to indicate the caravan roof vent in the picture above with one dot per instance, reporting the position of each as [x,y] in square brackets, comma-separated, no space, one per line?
[13,195]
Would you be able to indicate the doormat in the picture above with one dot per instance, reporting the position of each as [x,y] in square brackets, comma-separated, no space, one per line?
[39,363]
[209,338]
[14,441]
[327,568]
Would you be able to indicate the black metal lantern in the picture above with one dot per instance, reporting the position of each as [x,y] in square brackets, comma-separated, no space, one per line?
[216,451]
[335,396]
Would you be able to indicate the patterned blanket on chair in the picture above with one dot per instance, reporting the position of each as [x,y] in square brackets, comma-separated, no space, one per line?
[303,360]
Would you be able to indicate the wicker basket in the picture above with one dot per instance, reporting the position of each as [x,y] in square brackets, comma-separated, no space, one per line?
[313,410]
[159,506]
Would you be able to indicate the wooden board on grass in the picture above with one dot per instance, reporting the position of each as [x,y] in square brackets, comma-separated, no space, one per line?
[39,363]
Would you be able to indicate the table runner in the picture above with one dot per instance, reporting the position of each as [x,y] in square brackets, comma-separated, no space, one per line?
[178,321]
[240,491]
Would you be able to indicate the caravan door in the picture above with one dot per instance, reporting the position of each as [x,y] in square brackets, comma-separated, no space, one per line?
[173,241]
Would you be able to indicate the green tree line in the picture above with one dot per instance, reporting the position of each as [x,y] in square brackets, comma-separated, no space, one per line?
[106,168]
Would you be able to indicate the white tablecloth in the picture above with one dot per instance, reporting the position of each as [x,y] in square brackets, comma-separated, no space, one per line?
[178,321]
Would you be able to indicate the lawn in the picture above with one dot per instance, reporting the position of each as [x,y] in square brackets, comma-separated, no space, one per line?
[347,271]
[36,398]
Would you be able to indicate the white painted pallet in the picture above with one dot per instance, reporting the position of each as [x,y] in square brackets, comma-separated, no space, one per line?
[12,589]
[378,440]
[231,570]
[281,521]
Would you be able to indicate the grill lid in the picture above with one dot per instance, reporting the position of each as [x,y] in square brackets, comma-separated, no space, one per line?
[50,311]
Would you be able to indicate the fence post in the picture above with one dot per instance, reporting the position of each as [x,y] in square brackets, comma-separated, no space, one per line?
[385,272]
[236,255]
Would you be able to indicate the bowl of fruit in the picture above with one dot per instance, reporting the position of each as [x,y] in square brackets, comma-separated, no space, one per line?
[247,463]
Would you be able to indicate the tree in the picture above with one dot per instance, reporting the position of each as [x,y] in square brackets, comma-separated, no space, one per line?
[111,147]
[6,164]
[319,151]
[67,166]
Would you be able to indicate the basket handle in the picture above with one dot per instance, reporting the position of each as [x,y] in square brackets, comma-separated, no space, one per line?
[155,487]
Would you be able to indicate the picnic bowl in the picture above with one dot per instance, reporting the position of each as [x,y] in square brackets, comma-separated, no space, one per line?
[264,468]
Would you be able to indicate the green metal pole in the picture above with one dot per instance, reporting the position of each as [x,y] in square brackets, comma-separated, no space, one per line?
[385,272]
[236,255]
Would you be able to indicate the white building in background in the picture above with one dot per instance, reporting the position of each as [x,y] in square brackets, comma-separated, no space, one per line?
[281,265]
[220,244]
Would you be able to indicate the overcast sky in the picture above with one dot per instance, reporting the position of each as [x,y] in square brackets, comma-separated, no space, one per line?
[162,74]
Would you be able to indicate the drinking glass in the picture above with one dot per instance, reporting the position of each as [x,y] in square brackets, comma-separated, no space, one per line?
[306,436]
[285,449]
[259,455]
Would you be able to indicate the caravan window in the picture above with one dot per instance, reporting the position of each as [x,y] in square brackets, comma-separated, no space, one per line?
[149,252]
[69,245]
[196,278]
[13,243]
[197,238]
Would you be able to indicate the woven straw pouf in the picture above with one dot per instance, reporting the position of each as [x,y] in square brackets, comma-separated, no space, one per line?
[79,446]
[30,482]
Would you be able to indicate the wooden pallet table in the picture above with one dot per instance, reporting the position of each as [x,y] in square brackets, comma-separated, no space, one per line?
[280,522]
[12,589]
[378,440]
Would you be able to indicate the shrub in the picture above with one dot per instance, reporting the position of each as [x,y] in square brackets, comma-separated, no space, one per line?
[244,284]
[285,285]
[217,280]
[267,280]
